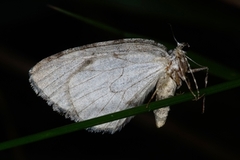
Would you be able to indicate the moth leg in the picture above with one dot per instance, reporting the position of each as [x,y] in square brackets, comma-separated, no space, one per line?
[195,82]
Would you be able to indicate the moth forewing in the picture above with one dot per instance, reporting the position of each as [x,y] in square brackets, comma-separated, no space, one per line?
[106,77]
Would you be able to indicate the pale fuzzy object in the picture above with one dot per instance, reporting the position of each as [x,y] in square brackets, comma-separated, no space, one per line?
[106,77]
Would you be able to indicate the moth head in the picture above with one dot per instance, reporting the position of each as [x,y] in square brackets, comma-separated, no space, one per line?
[179,66]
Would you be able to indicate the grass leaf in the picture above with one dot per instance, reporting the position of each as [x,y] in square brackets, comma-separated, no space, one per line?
[114,116]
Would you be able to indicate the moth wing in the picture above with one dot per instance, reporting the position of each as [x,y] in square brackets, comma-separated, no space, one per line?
[88,82]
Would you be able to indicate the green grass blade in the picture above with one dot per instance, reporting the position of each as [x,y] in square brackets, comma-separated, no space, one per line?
[97,24]
[114,116]
[215,68]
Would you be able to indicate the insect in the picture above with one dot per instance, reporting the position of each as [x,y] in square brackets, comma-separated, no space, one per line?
[106,77]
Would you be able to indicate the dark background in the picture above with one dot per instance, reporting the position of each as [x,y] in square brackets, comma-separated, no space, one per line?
[31,31]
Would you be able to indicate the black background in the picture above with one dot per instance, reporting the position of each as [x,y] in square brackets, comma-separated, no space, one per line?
[31,31]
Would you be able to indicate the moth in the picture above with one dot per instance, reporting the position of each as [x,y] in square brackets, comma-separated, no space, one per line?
[106,77]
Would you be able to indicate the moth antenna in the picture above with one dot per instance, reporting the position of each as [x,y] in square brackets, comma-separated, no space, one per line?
[173,34]
[191,71]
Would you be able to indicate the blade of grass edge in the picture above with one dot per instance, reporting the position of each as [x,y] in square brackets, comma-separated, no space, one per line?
[214,67]
[96,23]
[114,116]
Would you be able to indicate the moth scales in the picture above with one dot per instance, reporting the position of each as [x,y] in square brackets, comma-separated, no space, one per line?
[106,77]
